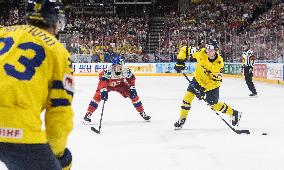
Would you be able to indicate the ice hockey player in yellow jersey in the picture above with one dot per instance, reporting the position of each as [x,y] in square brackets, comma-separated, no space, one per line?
[206,81]
[35,76]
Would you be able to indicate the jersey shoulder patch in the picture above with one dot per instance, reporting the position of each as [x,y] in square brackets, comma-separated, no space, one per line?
[68,82]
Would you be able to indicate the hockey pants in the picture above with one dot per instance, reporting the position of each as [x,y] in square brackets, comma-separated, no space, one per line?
[28,157]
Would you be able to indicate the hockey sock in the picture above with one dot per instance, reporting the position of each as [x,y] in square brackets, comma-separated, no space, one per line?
[222,107]
[186,104]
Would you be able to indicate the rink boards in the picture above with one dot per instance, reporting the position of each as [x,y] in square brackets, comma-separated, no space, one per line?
[267,72]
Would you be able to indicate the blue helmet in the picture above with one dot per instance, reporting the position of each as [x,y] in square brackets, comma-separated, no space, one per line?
[45,13]
[212,45]
[118,59]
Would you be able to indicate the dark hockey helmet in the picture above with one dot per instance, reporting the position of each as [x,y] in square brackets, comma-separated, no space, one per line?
[118,59]
[45,13]
[212,45]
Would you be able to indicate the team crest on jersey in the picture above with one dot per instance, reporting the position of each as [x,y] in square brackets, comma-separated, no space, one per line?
[68,82]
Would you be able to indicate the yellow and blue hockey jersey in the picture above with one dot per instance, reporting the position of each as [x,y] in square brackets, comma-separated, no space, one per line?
[208,73]
[35,75]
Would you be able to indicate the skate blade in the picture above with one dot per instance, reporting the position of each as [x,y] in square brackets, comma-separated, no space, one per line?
[177,128]
[253,96]
[88,123]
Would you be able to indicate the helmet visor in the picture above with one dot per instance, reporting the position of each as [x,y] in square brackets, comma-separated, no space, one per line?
[210,47]
[117,68]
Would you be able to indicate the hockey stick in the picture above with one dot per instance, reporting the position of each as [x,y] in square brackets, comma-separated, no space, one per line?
[233,129]
[94,129]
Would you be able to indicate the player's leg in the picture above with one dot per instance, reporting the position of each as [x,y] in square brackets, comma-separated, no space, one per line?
[185,108]
[186,103]
[212,98]
[28,157]
[125,92]
[93,105]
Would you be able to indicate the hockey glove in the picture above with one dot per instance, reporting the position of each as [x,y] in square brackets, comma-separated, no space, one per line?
[66,159]
[133,92]
[104,94]
[180,65]
[200,94]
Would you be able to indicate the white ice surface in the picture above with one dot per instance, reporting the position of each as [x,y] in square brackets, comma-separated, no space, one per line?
[127,142]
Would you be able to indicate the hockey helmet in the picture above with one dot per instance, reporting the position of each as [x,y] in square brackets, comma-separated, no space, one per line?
[118,59]
[46,13]
[212,45]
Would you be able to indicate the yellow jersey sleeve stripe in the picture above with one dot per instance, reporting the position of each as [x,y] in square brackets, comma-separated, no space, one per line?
[60,102]
[57,84]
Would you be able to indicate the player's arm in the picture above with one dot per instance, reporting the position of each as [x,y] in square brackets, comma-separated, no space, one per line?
[216,75]
[104,78]
[130,78]
[185,52]
[181,57]
[59,113]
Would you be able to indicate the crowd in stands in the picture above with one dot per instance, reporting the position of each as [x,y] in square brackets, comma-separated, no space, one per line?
[230,22]
[12,16]
[103,36]
[271,23]
[98,38]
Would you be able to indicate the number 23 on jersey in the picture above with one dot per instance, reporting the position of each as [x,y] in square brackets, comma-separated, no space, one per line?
[29,64]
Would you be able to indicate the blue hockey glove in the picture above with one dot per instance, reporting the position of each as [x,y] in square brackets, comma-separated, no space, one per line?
[104,94]
[133,92]
[180,65]
[200,94]
[66,159]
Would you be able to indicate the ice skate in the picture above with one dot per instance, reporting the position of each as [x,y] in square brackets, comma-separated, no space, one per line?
[179,123]
[253,95]
[144,116]
[87,120]
[236,117]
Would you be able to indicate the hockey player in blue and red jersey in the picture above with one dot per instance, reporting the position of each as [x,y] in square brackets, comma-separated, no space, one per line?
[116,78]
[35,76]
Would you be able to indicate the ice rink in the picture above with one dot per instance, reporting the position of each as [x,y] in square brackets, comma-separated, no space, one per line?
[127,142]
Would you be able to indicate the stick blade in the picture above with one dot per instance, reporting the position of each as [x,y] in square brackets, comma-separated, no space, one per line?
[95,130]
[243,132]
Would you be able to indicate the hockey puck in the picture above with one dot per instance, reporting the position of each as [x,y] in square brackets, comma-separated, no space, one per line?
[264,133]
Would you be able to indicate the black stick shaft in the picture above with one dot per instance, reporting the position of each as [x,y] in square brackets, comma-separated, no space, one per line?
[102,116]
[94,129]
